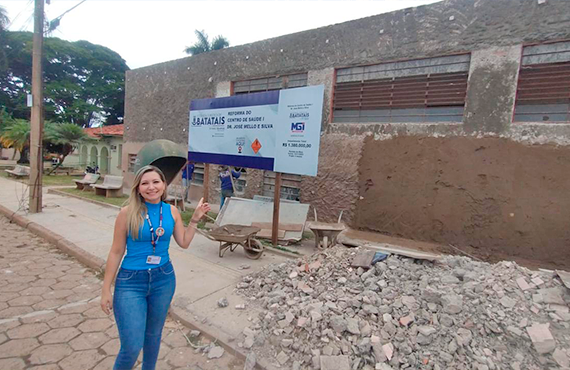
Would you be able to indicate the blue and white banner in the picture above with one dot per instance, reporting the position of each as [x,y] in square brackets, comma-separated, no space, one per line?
[275,130]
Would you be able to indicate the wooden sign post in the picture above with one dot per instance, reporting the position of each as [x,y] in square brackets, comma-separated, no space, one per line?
[206,182]
[276,201]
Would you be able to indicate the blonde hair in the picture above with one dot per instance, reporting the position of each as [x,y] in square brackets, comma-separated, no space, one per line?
[136,208]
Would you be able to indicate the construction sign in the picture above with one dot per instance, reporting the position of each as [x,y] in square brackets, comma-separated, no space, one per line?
[274,130]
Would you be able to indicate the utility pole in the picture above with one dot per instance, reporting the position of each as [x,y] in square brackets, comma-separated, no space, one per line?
[37,120]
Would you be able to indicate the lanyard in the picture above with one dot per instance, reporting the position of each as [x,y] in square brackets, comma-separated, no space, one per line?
[159,230]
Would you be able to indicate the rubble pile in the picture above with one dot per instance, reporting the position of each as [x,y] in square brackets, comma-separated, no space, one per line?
[455,313]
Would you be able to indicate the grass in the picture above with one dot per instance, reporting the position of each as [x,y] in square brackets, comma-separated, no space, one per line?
[91,195]
[187,215]
[53,180]
[269,244]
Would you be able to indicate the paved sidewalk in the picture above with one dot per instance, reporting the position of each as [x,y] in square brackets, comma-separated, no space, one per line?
[50,317]
[202,277]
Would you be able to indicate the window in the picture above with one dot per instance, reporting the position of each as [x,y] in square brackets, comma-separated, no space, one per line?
[290,186]
[543,90]
[132,162]
[423,90]
[270,83]
[198,175]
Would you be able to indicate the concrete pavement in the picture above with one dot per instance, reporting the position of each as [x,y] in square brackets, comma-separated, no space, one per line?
[85,230]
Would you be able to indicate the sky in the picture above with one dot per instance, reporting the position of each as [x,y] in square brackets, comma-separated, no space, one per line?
[146,32]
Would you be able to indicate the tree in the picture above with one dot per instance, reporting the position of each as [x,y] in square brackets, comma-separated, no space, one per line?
[83,82]
[60,138]
[17,136]
[4,20]
[63,138]
[203,44]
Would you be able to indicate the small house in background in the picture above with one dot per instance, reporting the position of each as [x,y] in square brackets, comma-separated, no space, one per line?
[106,152]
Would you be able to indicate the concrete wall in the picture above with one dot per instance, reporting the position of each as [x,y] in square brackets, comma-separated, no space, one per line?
[447,182]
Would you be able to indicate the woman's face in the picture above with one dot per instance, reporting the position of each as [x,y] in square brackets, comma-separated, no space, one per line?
[151,187]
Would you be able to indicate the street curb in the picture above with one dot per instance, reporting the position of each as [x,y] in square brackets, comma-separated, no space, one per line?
[98,264]
[64,194]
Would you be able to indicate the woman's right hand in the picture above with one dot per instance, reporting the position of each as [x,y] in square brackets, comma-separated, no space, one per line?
[201,209]
[107,302]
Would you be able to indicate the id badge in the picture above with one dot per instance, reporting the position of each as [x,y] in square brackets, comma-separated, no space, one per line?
[153,260]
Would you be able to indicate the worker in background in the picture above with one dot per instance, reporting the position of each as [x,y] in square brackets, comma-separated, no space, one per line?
[227,182]
[187,178]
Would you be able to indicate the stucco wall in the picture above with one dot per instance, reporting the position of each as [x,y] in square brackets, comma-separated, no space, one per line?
[493,194]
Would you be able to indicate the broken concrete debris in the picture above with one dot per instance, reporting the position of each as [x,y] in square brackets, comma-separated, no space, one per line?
[223,302]
[215,352]
[454,313]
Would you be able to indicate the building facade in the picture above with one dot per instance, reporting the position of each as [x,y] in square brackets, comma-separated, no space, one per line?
[106,152]
[447,122]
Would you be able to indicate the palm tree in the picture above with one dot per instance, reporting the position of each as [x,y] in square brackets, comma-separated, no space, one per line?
[63,138]
[17,136]
[203,44]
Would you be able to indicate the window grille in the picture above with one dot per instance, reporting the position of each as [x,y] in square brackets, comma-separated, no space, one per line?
[132,162]
[270,83]
[290,185]
[424,90]
[198,174]
[543,89]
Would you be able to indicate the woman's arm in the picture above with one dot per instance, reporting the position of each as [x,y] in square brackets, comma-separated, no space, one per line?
[114,259]
[184,236]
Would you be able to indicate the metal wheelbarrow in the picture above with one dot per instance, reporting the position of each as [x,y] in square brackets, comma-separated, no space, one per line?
[231,236]
[325,233]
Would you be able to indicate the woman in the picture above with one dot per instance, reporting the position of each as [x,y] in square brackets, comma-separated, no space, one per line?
[145,282]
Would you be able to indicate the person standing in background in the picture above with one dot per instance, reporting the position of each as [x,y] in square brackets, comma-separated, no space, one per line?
[187,173]
[227,183]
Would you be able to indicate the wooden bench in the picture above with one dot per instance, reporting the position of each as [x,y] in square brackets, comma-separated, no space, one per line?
[88,179]
[19,171]
[111,187]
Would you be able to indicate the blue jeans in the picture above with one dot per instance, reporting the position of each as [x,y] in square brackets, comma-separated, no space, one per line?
[140,304]
[224,194]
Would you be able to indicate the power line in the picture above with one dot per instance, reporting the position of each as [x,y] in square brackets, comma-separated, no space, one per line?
[20,13]
[55,22]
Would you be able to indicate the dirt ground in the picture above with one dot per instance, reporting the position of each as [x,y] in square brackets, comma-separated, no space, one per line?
[492,198]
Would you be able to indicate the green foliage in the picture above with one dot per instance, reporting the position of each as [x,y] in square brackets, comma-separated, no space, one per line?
[61,138]
[203,44]
[5,120]
[4,20]
[83,82]
[17,135]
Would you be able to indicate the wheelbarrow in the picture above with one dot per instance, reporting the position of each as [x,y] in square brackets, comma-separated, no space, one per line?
[232,236]
[325,233]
